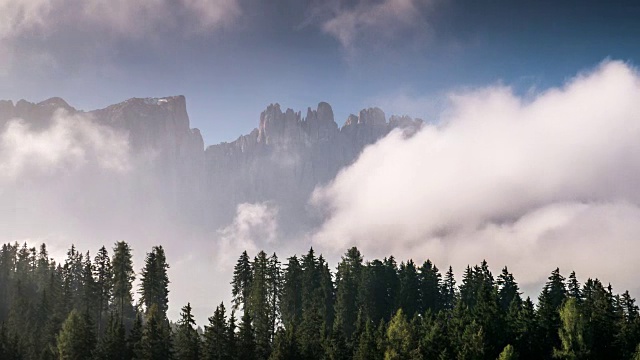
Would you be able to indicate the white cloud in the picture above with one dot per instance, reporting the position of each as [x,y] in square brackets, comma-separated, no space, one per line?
[533,184]
[375,21]
[50,31]
[254,226]
[69,142]
[122,17]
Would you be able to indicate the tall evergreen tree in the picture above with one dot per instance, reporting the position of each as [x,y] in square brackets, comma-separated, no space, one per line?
[216,337]
[156,342]
[409,293]
[430,284]
[571,332]
[113,345]
[291,296]
[154,281]
[347,283]
[549,302]
[76,340]
[187,339]
[123,276]
[103,281]
[241,283]
[246,339]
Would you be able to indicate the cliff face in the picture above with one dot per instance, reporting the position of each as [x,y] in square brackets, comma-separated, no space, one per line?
[281,161]
[287,156]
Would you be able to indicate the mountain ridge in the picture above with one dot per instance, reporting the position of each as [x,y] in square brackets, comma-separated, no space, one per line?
[282,160]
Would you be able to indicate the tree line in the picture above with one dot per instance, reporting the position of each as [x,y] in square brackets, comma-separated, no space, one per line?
[84,308]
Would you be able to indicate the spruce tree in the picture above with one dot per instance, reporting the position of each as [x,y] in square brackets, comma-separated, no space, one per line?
[154,281]
[156,342]
[241,282]
[571,333]
[216,337]
[123,276]
[113,344]
[76,340]
[103,282]
[187,339]
[347,284]
[246,339]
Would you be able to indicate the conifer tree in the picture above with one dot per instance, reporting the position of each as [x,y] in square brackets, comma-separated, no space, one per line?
[76,340]
[154,281]
[285,346]
[241,283]
[187,340]
[291,296]
[103,281]
[113,344]
[430,284]
[246,339]
[571,332]
[156,342]
[216,337]
[347,283]
[549,302]
[123,276]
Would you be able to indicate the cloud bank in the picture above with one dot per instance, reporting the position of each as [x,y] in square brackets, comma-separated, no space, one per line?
[530,183]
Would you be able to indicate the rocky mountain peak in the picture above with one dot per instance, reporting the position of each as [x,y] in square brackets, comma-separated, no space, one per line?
[276,127]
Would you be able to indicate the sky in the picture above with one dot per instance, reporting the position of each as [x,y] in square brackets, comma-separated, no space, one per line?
[530,157]
[231,58]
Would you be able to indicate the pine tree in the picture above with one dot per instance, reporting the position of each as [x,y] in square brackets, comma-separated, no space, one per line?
[154,281]
[549,302]
[134,340]
[291,296]
[449,290]
[409,293]
[286,346]
[76,340]
[571,332]
[113,344]
[103,274]
[259,305]
[216,337]
[347,283]
[367,347]
[508,290]
[187,340]
[430,284]
[123,276]
[241,283]
[400,341]
[156,342]
[246,339]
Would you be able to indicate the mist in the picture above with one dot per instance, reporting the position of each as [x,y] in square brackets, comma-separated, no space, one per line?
[532,182]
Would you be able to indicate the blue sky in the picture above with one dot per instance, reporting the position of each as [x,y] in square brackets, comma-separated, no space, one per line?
[231,58]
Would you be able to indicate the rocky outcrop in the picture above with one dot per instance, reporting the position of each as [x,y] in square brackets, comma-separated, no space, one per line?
[281,161]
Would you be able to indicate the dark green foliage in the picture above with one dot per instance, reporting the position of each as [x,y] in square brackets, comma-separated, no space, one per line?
[156,342]
[241,283]
[246,339]
[374,310]
[123,276]
[347,280]
[154,281]
[187,340]
[113,344]
[76,340]
[217,337]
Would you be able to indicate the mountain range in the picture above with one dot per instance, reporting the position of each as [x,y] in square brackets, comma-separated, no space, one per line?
[280,162]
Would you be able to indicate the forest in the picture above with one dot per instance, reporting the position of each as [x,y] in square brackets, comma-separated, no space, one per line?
[299,308]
